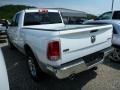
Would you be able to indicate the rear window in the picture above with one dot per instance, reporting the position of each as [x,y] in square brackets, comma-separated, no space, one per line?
[116,15]
[37,18]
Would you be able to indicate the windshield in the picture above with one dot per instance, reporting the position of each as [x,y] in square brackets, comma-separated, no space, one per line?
[105,16]
[37,18]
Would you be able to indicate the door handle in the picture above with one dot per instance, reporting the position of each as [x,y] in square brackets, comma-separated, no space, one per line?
[93,31]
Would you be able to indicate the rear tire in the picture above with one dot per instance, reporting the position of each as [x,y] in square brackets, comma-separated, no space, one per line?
[34,69]
[115,56]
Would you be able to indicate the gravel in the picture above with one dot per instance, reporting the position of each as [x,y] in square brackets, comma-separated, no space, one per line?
[106,77]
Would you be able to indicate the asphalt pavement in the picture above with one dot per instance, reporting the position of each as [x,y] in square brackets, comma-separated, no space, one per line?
[106,77]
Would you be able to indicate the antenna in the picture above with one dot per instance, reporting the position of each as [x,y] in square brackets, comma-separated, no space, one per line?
[112,5]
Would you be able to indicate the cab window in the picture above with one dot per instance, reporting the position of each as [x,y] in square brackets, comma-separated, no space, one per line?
[116,15]
[37,18]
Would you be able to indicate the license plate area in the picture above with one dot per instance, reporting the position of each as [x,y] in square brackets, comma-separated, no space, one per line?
[93,58]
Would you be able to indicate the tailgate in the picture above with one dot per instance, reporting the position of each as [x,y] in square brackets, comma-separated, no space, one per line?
[79,42]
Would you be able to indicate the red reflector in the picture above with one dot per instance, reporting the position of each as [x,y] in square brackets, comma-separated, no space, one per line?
[53,52]
[43,11]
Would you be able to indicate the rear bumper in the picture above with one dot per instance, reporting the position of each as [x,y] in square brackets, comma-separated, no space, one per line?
[66,71]
[76,67]
[107,51]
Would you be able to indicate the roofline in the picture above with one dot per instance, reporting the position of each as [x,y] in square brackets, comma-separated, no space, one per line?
[113,11]
[66,9]
[55,9]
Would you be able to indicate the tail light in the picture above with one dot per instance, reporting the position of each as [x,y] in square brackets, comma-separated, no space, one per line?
[53,51]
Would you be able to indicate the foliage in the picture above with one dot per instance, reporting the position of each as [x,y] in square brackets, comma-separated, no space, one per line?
[90,16]
[7,11]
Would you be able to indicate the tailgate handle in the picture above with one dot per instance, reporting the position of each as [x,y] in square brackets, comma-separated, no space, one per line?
[93,31]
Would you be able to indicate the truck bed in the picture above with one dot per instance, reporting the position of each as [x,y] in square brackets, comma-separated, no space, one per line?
[75,40]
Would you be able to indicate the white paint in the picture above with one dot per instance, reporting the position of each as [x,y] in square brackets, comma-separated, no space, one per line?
[4,85]
[77,38]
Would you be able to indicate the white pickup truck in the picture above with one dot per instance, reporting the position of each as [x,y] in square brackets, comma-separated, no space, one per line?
[55,48]
[4,82]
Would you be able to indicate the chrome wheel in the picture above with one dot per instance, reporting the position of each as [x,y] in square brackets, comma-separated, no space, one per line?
[115,56]
[32,67]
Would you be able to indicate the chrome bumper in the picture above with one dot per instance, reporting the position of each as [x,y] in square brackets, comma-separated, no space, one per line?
[107,51]
[66,71]
[76,67]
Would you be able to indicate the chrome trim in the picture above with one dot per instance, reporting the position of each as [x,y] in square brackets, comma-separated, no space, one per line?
[107,51]
[67,67]
[100,62]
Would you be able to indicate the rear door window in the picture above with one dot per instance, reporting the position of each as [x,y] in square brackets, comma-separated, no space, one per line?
[116,15]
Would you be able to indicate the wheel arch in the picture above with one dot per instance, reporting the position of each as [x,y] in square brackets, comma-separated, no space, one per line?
[28,50]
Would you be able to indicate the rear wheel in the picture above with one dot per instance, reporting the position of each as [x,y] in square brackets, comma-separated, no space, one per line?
[115,56]
[34,69]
